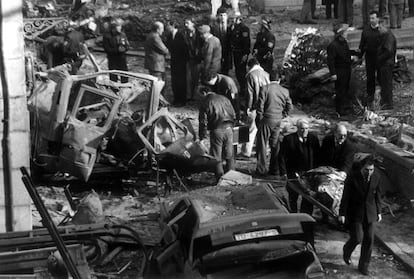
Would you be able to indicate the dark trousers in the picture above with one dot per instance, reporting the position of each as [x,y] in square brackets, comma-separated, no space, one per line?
[179,82]
[117,62]
[396,14]
[367,7]
[268,131]
[308,10]
[328,8]
[360,233]
[342,98]
[411,7]
[385,80]
[221,147]
[383,7]
[346,11]
[305,206]
[372,72]
[240,69]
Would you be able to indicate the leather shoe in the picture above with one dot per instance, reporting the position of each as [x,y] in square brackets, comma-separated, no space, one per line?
[363,271]
[347,259]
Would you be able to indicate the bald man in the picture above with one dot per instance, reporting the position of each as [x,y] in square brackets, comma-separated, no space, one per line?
[299,153]
[337,151]
[155,51]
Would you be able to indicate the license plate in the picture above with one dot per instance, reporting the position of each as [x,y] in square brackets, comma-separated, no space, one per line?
[256,234]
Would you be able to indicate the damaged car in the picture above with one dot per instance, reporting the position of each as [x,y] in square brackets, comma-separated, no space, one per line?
[81,123]
[259,244]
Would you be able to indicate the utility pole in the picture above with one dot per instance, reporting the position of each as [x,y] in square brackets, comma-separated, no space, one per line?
[15,212]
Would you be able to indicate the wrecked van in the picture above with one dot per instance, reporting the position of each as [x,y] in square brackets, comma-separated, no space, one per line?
[75,117]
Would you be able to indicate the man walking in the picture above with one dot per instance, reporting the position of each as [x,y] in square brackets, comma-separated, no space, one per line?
[256,78]
[273,104]
[217,115]
[155,51]
[298,154]
[370,41]
[360,208]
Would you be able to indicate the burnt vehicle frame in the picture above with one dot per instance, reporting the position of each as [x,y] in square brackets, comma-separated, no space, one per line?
[260,243]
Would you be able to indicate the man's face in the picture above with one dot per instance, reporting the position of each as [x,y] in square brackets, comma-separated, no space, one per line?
[373,19]
[340,135]
[223,17]
[118,28]
[367,170]
[204,35]
[169,29]
[189,25]
[161,29]
[303,130]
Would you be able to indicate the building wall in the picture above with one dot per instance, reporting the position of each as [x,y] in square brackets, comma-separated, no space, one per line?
[19,141]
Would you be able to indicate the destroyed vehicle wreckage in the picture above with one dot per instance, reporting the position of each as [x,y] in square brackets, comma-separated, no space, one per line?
[81,120]
[260,243]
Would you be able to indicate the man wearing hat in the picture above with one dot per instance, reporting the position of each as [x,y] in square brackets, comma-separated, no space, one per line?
[240,49]
[263,48]
[339,64]
[211,54]
[116,45]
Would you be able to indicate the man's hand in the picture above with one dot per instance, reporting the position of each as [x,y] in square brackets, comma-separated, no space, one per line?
[341,219]
[379,219]
[334,77]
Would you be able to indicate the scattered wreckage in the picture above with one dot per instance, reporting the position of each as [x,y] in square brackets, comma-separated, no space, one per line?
[81,120]
[263,242]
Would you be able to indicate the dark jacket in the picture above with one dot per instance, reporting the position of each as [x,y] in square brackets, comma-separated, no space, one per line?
[216,111]
[339,55]
[296,156]
[155,52]
[240,39]
[387,49]
[178,48]
[194,43]
[224,37]
[340,157]
[370,40]
[72,45]
[361,199]
[225,86]
[115,43]
[265,43]
[211,53]
[274,103]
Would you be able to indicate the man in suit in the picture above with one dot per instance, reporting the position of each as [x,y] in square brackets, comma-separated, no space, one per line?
[273,104]
[179,56]
[211,54]
[337,151]
[360,208]
[155,51]
[298,154]
[221,29]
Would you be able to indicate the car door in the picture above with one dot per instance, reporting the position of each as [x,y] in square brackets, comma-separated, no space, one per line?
[85,126]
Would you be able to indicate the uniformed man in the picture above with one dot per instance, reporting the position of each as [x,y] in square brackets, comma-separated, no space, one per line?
[263,48]
[240,49]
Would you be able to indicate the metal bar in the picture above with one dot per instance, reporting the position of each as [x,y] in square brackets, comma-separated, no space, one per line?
[48,223]
[69,197]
